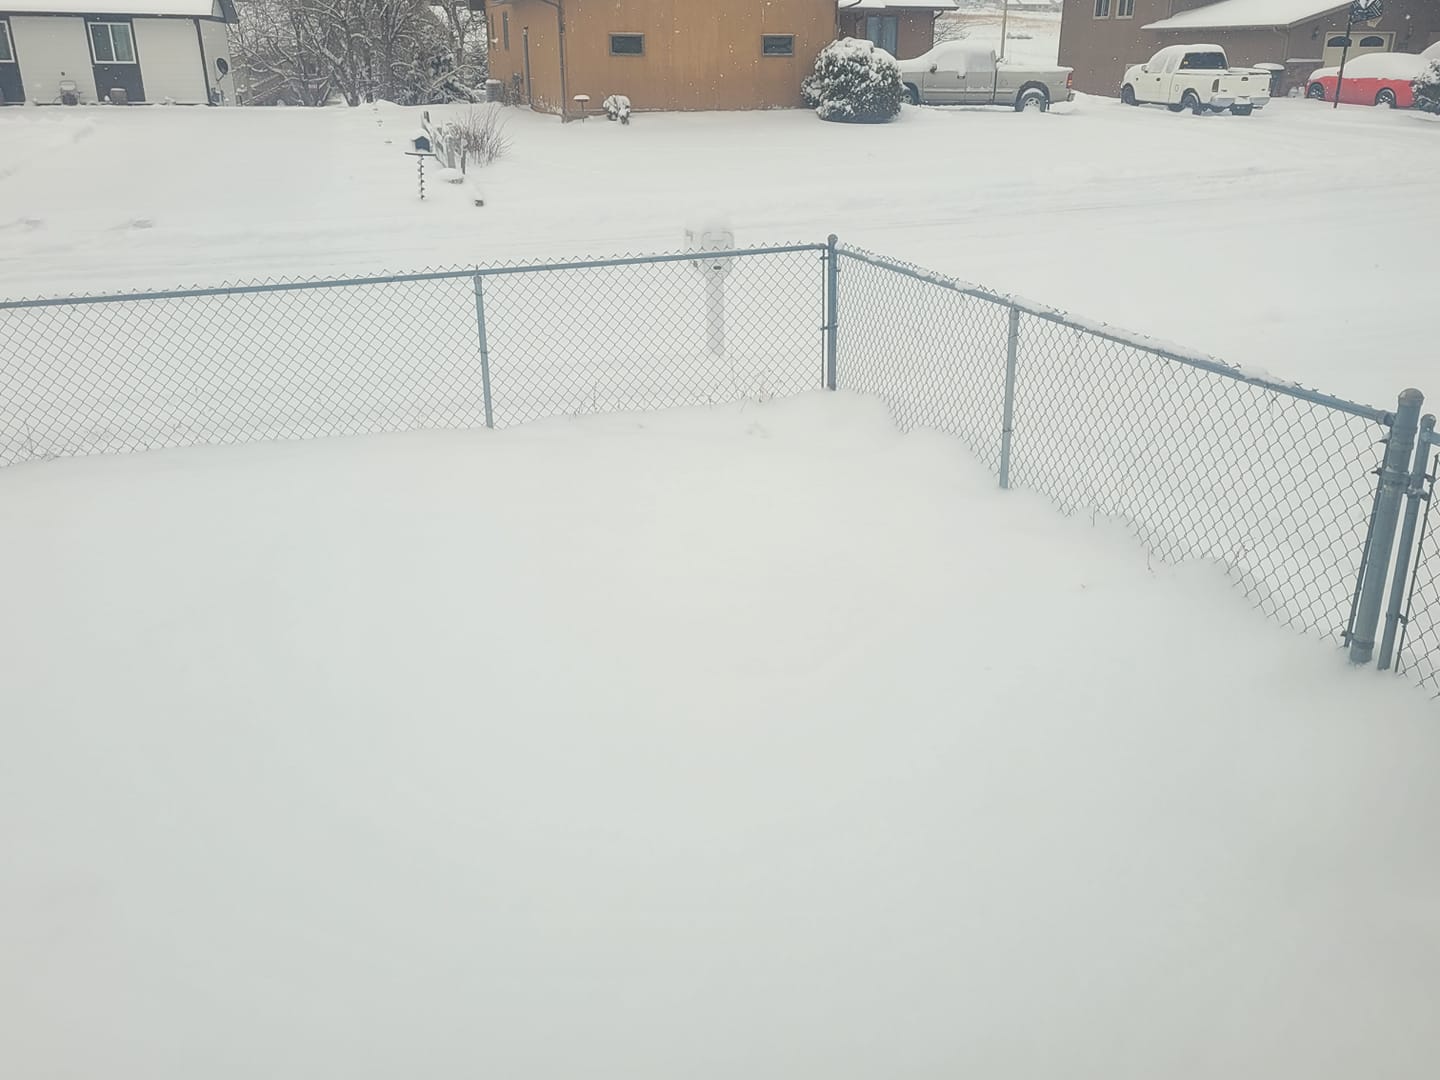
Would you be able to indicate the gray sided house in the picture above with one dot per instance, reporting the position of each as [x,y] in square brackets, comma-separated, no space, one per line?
[1100,38]
[72,52]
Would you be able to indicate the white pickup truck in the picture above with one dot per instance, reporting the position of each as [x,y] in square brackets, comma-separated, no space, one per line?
[1198,78]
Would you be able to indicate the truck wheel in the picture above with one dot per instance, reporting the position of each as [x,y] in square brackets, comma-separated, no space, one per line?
[912,94]
[1191,100]
[1316,92]
[1386,99]
[1032,100]
[1173,107]
[1127,95]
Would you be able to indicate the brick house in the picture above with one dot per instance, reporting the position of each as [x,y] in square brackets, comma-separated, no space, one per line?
[1100,38]
[686,54]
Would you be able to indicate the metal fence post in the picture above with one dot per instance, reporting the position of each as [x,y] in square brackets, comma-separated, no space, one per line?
[1394,476]
[832,309]
[1414,497]
[484,348]
[1007,424]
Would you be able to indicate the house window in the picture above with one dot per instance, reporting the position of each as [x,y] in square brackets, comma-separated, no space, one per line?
[884,31]
[1124,9]
[505,30]
[112,43]
[1102,9]
[1374,41]
[777,44]
[627,44]
[1337,43]
[7,51]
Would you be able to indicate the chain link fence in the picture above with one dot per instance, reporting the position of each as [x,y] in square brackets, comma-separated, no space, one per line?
[1275,483]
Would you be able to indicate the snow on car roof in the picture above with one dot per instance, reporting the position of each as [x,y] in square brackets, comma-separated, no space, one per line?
[1380,66]
[1245,13]
[110,7]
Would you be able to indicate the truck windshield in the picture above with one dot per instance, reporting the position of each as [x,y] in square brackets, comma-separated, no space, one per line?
[1204,61]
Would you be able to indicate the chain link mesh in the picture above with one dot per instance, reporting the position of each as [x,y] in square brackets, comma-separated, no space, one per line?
[185,370]
[1419,655]
[654,335]
[936,357]
[1274,487]
[295,359]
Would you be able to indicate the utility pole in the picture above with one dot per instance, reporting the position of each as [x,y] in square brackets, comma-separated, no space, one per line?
[1004,26]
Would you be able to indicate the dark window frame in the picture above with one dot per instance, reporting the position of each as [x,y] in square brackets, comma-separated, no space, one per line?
[1124,9]
[505,30]
[789,45]
[1102,9]
[109,26]
[9,55]
[640,38]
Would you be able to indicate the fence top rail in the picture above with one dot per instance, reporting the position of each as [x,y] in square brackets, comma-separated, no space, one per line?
[1176,353]
[297,285]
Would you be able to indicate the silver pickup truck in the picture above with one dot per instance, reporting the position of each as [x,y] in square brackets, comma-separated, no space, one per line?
[960,74]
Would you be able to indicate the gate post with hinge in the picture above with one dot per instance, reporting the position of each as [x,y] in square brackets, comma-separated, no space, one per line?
[1414,497]
[1394,477]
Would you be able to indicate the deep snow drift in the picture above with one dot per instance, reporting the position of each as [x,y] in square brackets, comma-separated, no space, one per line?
[761,741]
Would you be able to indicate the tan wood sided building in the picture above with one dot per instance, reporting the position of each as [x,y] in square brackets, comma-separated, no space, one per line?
[685,54]
[1100,38]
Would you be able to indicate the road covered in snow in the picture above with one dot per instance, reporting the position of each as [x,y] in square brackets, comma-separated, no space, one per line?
[1292,241]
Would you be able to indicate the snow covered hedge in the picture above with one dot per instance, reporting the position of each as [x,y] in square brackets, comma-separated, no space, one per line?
[854,83]
[1427,88]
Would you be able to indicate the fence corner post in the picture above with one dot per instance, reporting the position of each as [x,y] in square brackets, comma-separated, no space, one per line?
[1394,478]
[832,309]
[484,348]
[1414,496]
[1007,424]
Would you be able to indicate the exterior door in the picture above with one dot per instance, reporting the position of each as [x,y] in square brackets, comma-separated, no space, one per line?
[884,31]
[946,84]
[12,91]
[112,49]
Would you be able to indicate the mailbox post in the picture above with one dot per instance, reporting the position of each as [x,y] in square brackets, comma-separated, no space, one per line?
[420,149]
[704,237]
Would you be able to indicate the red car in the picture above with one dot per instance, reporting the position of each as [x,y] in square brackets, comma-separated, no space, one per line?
[1381,78]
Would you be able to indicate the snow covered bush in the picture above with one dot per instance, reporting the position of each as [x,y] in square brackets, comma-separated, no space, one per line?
[854,83]
[1427,88]
[617,107]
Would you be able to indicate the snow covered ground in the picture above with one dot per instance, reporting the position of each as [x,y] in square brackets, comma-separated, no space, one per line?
[1290,241]
[761,741]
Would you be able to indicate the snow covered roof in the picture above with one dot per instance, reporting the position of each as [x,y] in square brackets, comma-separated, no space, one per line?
[881,5]
[1229,13]
[187,8]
